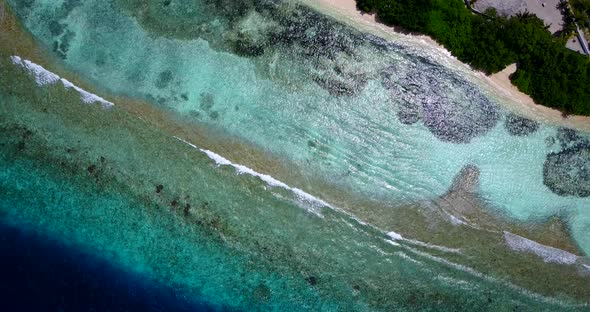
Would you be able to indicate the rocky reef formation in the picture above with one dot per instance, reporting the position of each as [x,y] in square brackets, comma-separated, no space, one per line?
[569,138]
[567,173]
[520,126]
[263,29]
[454,110]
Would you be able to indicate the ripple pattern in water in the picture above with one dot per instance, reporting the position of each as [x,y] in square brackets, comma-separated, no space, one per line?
[370,117]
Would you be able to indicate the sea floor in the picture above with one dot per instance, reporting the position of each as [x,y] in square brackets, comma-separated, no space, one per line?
[284,181]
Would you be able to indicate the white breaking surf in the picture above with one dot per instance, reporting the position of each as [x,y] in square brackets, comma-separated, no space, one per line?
[549,254]
[44,77]
[315,203]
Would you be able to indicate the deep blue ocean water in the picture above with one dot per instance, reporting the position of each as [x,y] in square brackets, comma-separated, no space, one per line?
[40,273]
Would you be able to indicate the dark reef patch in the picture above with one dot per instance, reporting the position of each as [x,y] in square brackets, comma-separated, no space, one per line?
[337,87]
[409,113]
[520,126]
[242,45]
[453,112]
[467,180]
[23,6]
[312,280]
[567,173]
[69,5]
[569,137]
[164,79]
[459,122]
[207,101]
[261,292]
[316,35]
[62,44]
[56,28]
[263,28]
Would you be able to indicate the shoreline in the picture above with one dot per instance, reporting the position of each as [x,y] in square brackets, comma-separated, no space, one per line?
[522,103]
[499,84]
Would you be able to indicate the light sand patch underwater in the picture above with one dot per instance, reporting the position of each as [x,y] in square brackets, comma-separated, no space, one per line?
[167,210]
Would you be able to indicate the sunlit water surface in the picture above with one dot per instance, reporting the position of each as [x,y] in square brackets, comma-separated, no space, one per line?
[379,121]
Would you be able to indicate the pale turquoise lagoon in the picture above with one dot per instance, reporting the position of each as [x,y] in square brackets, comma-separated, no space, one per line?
[368,133]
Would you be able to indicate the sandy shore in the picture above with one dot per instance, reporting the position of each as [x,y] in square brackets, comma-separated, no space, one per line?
[345,10]
[524,104]
[499,83]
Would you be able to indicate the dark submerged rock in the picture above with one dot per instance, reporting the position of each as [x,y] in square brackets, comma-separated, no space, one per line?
[159,188]
[409,113]
[520,126]
[453,110]
[243,46]
[55,28]
[21,146]
[164,79]
[312,280]
[214,115]
[335,87]
[62,44]
[567,135]
[567,173]
[549,141]
[91,169]
[69,5]
[451,123]
[261,292]
[207,101]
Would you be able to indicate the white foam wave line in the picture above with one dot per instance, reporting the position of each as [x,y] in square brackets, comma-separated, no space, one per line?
[395,236]
[490,279]
[302,195]
[220,160]
[548,253]
[389,241]
[436,247]
[405,256]
[349,225]
[398,237]
[457,283]
[44,77]
[241,169]
[379,250]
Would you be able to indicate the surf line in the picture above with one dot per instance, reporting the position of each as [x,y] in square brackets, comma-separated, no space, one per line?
[303,196]
[316,203]
[44,77]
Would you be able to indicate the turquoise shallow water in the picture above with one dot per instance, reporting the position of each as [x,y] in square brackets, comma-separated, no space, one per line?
[375,119]
[324,96]
[221,237]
